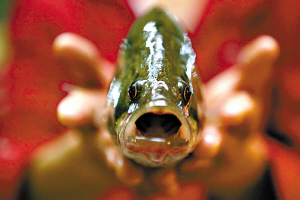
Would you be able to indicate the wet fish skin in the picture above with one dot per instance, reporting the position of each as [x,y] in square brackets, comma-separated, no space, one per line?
[155,83]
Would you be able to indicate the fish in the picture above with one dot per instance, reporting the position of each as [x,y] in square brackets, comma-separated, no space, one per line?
[155,109]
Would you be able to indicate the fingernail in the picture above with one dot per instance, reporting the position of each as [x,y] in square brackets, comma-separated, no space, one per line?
[236,109]
[210,144]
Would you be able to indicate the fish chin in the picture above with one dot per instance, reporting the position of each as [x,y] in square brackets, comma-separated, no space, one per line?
[157,136]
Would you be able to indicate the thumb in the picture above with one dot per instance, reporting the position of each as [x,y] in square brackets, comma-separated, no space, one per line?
[250,99]
[82,60]
[256,61]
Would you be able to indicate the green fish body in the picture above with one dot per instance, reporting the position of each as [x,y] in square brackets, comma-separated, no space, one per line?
[155,106]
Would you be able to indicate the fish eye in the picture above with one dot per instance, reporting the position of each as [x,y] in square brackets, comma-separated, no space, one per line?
[132,92]
[187,93]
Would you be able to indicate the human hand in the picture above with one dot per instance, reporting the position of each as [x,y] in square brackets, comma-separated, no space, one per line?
[231,156]
[84,162]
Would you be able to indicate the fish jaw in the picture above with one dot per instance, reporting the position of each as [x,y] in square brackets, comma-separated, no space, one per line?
[161,144]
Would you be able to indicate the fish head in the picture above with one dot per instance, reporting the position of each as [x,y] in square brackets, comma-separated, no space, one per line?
[155,105]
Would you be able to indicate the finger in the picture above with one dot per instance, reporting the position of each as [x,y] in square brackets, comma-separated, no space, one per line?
[167,180]
[241,114]
[71,114]
[205,151]
[82,60]
[210,143]
[77,109]
[256,61]
[126,171]
[217,90]
[244,111]
[252,74]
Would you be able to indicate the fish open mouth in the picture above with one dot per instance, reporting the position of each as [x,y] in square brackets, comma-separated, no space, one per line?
[155,125]
[157,136]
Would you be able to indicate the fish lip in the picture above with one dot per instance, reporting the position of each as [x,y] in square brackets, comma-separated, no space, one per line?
[159,107]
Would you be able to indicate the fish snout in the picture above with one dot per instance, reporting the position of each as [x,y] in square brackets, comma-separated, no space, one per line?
[158,134]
